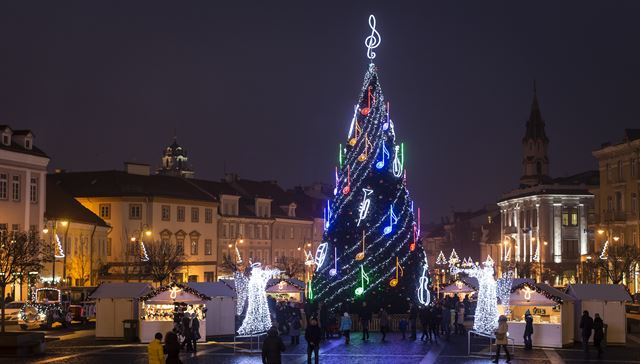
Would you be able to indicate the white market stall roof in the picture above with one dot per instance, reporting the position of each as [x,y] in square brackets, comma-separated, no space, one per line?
[467,285]
[540,293]
[213,289]
[283,287]
[183,293]
[121,290]
[290,281]
[598,292]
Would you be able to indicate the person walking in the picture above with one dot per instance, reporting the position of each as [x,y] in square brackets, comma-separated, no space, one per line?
[313,334]
[424,322]
[186,332]
[195,330]
[294,328]
[323,320]
[460,319]
[384,322]
[413,320]
[528,330]
[402,325]
[501,338]
[172,348]
[598,333]
[586,324]
[155,351]
[345,327]
[272,347]
[433,323]
[365,320]
[445,322]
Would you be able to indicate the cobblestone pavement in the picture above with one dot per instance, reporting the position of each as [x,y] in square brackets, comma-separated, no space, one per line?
[85,349]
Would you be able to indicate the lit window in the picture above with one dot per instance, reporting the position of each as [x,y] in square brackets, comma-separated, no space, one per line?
[15,192]
[195,214]
[4,183]
[135,211]
[208,216]
[208,247]
[105,210]
[165,212]
[33,190]
[180,213]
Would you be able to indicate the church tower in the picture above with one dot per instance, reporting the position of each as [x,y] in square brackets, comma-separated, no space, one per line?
[175,161]
[535,163]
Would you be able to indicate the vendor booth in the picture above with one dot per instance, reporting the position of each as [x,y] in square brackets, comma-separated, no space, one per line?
[461,287]
[116,302]
[163,306]
[608,300]
[286,289]
[221,309]
[552,311]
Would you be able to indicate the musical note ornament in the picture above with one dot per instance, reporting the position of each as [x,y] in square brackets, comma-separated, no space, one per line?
[384,155]
[365,110]
[372,41]
[424,296]
[334,271]
[321,254]
[394,281]
[360,255]
[364,205]
[393,219]
[347,188]
[363,277]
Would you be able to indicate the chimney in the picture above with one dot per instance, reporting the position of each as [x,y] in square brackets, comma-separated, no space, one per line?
[137,168]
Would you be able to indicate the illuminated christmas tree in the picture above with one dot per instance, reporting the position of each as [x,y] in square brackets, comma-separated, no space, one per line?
[371,248]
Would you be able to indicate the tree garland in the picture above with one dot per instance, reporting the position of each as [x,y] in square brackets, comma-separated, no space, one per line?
[538,290]
[172,285]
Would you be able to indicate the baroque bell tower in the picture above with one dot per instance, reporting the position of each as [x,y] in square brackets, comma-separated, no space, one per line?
[535,162]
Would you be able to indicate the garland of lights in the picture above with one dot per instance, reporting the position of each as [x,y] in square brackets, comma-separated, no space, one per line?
[441,259]
[486,317]
[538,290]
[241,283]
[174,287]
[257,319]
[603,255]
[59,251]
[453,258]
[504,290]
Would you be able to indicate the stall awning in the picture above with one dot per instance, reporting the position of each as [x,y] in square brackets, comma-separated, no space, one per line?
[213,289]
[598,292]
[528,291]
[175,292]
[463,285]
[121,290]
[284,287]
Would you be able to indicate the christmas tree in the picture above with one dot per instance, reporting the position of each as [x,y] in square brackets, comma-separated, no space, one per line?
[371,248]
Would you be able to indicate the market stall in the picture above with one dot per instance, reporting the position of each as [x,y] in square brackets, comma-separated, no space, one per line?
[461,287]
[286,289]
[608,300]
[116,302]
[552,311]
[221,309]
[163,306]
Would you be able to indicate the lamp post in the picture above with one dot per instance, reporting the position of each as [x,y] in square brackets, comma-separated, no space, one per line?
[53,232]
[237,257]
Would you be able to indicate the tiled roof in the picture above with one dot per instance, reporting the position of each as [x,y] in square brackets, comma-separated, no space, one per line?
[15,147]
[62,206]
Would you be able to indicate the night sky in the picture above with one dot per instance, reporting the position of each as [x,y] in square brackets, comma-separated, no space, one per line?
[267,88]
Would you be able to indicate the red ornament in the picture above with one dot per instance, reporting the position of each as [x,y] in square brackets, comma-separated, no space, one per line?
[346,190]
[365,111]
[412,246]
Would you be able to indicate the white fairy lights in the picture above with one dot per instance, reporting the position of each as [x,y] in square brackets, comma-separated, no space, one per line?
[424,296]
[258,319]
[364,205]
[486,317]
[241,283]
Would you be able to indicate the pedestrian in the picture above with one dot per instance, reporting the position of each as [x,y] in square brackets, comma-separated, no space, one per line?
[186,332]
[413,320]
[313,334]
[272,346]
[195,330]
[433,323]
[324,320]
[156,353]
[445,322]
[365,319]
[294,328]
[402,325]
[345,327]
[460,319]
[424,322]
[598,333]
[172,348]
[384,322]
[528,330]
[501,338]
[586,324]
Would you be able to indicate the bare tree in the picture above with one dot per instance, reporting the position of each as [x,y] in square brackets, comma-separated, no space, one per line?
[525,268]
[290,267]
[79,264]
[165,258]
[20,253]
[228,264]
[620,262]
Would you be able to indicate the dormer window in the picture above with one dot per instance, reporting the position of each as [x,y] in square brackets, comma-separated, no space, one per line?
[6,140]
[27,143]
[292,210]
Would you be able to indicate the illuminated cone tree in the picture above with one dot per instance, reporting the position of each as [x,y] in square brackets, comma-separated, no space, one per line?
[371,235]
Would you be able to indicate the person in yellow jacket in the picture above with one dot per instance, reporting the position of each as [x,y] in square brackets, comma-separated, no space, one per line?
[156,353]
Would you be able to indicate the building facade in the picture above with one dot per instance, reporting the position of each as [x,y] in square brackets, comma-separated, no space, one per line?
[618,213]
[23,174]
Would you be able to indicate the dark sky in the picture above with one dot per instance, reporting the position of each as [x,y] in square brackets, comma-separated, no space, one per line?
[268,87]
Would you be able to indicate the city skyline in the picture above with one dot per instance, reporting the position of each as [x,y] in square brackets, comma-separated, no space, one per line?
[229,81]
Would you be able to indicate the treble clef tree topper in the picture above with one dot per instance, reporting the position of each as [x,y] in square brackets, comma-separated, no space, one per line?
[372,41]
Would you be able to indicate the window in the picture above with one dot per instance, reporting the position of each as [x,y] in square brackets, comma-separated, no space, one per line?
[259,256]
[108,247]
[266,231]
[15,192]
[3,186]
[15,227]
[178,277]
[27,143]
[180,214]
[104,209]
[619,206]
[180,242]
[165,212]
[258,231]
[5,139]
[634,236]
[619,171]
[33,190]
[633,167]
[208,216]
[194,246]
[250,231]
[609,203]
[291,233]
[208,276]
[135,211]
[634,203]
[570,249]
[195,214]
[265,256]
[570,216]
[207,247]
[232,230]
